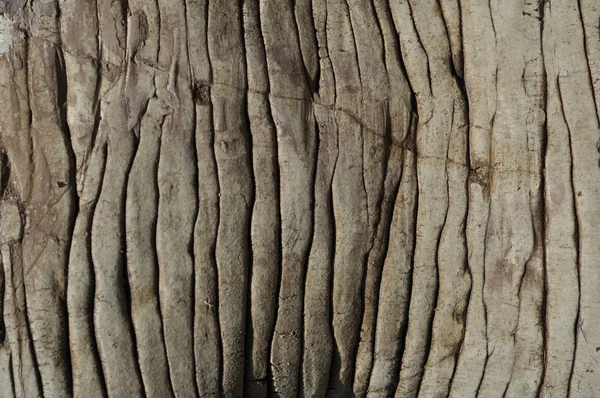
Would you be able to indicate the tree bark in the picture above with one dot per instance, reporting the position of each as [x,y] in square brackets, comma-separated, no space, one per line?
[339,198]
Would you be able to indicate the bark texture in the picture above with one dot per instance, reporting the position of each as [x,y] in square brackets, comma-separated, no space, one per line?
[299,198]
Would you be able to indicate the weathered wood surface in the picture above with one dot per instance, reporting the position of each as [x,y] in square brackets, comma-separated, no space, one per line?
[339,198]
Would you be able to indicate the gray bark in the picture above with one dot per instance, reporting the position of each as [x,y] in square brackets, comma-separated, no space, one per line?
[313,198]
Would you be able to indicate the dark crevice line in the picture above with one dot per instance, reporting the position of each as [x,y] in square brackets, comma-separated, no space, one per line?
[213,253]
[487,226]
[23,204]
[310,248]
[357,60]
[587,59]
[277,181]
[507,383]
[457,78]
[402,64]
[409,289]
[364,187]
[335,93]
[88,243]
[270,378]
[277,190]
[306,261]
[127,277]
[485,308]
[544,321]
[158,29]
[466,268]
[577,326]
[196,185]
[389,210]
[464,331]
[315,83]
[155,254]
[331,208]
[378,262]
[97,87]
[61,98]
[248,338]
[27,36]
[250,201]
[124,14]
[412,18]
[88,239]
[438,5]
[539,234]
[492,20]
[92,297]
[248,237]
[213,256]
[380,30]
[11,375]
[365,261]
[309,81]
[124,270]
[35,363]
[331,202]
[446,23]
[430,336]
[190,250]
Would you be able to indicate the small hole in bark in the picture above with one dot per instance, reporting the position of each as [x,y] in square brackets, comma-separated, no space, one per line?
[61,184]
[202,93]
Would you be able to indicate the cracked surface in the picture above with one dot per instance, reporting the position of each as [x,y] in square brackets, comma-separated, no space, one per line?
[300,198]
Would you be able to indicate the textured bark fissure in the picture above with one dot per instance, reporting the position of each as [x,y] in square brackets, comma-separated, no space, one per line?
[587,58]
[24,200]
[577,326]
[61,82]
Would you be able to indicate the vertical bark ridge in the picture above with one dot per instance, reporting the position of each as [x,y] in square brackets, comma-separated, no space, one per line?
[234,169]
[15,130]
[80,52]
[207,340]
[575,100]
[589,15]
[527,369]
[177,198]
[266,218]
[145,118]
[395,285]
[112,313]
[349,198]
[51,208]
[318,338]
[292,112]
[479,46]
[394,125]
[373,117]
[562,259]
[426,53]
[88,378]
[511,255]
